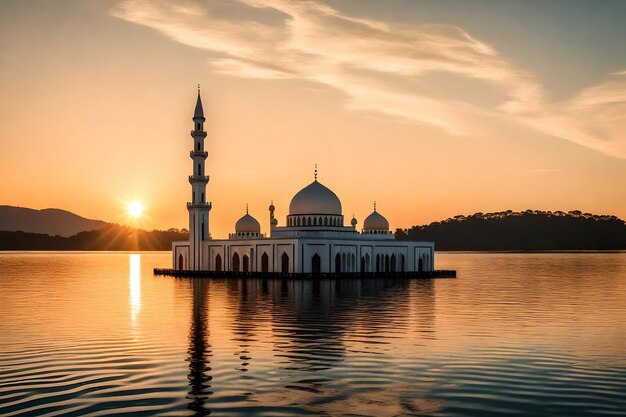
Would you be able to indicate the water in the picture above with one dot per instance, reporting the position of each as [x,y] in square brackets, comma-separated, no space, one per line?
[528,334]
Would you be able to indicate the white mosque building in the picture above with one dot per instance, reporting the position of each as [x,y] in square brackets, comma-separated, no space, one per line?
[314,239]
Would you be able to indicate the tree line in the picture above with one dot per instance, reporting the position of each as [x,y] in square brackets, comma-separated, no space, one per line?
[112,237]
[525,230]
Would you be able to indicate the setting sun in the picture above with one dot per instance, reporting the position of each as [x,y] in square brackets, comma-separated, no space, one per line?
[135,209]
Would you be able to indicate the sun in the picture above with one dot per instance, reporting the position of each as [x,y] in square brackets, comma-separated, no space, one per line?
[135,209]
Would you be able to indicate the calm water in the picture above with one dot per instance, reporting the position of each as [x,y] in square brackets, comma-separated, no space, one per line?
[97,334]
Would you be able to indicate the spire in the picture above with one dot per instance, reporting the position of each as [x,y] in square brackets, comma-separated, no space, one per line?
[315,172]
[199,112]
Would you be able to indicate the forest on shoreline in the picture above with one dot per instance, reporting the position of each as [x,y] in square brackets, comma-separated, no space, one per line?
[530,230]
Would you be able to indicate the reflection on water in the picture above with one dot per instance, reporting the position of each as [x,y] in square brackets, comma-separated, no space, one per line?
[199,351]
[135,286]
[526,334]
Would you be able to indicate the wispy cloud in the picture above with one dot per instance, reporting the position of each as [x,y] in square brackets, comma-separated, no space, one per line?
[373,63]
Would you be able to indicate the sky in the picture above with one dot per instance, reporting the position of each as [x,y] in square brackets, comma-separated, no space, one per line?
[430,108]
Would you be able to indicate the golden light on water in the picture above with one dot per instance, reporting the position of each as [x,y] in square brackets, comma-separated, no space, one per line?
[135,209]
[135,286]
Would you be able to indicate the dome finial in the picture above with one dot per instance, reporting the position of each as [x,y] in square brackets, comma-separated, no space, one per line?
[315,172]
[374,205]
[246,208]
[198,88]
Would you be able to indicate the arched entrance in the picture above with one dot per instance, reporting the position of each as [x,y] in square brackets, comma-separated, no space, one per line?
[420,265]
[265,263]
[338,263]
[363,264]
[377,263]
[236,262]
[393,263]
[246,263]
[284,263]
[402,263]
[386,263]
[316,264]
[181,262]
[218,263]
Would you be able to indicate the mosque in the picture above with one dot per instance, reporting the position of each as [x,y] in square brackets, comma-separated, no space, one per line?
[314,239]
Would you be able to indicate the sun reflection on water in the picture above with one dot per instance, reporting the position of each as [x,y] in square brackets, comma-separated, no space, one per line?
[135,287]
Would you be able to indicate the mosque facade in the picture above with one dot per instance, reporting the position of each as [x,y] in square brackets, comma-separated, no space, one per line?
[314,238]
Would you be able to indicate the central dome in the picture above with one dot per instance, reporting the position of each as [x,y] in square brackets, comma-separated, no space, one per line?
[315,198]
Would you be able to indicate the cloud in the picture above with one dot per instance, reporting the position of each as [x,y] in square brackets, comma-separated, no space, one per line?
[377,64]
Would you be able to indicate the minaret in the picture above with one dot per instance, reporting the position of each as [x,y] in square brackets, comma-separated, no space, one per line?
[273,220]
[198,208]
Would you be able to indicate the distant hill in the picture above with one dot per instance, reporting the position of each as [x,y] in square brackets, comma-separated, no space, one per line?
[47,221]
[110,237]
[527,230]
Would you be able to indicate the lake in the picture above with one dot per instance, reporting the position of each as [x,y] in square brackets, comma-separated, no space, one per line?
[528,334]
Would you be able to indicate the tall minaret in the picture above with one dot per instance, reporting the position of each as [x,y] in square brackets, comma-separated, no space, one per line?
[198,208]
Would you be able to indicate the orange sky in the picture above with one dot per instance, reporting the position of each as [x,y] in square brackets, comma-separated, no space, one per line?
[428,113]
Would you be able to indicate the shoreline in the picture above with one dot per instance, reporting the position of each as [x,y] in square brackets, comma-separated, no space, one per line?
[510,251]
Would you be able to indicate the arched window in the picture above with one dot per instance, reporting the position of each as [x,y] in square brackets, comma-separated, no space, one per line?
[393,263]
[353,262]
[197,126]
[265,263]
[236,262]
[363,264]
[284,263]
[386,263]
[314,221]
[344,263]
[198,146]
[316,264]
[319,221]
[367,262]
[246,263]
[377,263]
[198,169]
[202,201]
[202,230]
[218,263]
[338,263]
[401,263]
[308,221]
[325,221]
[181,262]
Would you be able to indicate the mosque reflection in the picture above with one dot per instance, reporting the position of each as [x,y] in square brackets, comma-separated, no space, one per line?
[312,325]
[199,351]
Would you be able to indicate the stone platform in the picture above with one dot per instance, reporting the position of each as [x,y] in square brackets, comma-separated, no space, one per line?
[305,275]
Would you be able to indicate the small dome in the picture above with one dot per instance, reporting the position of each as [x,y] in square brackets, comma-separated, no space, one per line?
[247,224]
[375,221]
[353,222]
[315,198]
